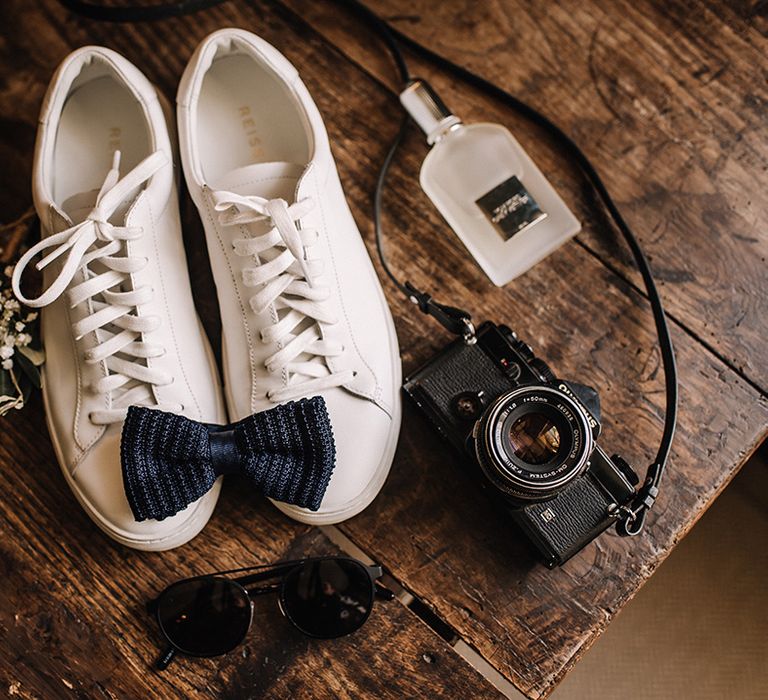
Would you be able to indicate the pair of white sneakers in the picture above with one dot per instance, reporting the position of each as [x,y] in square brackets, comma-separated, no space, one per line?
[302,310]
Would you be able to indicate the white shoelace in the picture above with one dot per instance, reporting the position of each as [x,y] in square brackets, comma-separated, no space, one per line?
[289,280]
[96,247]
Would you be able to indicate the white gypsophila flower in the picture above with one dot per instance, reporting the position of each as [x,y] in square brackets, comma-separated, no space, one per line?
[23,339]
[19,326]
[5,352]
[8,271]
[7,364]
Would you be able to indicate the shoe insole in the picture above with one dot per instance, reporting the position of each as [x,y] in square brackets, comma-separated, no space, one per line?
[246,115]
[101,116]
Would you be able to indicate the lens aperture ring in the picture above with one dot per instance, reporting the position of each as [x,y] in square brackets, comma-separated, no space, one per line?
[533,441]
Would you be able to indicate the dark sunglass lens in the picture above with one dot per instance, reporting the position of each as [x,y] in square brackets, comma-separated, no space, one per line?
[205,617]
[328,598]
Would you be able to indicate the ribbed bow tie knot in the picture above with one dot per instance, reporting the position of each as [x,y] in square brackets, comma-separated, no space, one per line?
[170,461]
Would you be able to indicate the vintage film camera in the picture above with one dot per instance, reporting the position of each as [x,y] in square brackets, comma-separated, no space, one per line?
[532,438]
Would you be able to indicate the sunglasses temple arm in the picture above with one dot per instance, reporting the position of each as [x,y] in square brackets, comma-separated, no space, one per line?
[164,661]
[375,572]
[383,593]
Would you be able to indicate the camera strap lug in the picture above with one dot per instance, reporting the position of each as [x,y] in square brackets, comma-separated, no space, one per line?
[618,512]
[469,336]
[454,320]
[633,519]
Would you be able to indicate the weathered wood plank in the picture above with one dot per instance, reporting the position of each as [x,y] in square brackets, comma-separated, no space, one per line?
[430,527]
[533,624]
[73,617]
[669,101]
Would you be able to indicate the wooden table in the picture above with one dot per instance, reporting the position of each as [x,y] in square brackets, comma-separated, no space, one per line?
[669,100]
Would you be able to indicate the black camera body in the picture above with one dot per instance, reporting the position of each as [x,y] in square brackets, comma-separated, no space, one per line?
[532,437]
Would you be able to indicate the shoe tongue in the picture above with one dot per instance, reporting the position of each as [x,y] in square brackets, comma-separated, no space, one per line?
[268,180]
[78,206]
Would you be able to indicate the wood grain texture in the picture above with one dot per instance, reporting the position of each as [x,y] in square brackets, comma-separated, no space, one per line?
[591,327]
[73,620]
[669,101]
[430,527]
[72,616]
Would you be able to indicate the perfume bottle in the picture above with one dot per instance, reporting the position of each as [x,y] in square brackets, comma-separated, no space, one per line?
[488,189]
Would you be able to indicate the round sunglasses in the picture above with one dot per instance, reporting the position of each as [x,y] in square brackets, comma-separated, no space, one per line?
[323,597]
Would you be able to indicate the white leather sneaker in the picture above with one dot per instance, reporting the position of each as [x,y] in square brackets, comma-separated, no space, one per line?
[302,310]
[119,325]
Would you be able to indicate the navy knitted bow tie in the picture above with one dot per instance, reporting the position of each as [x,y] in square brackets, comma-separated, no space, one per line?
[170,461]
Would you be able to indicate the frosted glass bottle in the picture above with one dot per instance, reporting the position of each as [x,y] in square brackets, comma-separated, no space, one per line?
[488,189]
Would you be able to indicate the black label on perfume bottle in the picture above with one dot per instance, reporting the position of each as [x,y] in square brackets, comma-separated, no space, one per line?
[510,208]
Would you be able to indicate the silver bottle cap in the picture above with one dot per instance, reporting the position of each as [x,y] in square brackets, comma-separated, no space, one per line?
[427,109]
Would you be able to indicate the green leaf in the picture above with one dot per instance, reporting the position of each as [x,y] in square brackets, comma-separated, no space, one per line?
[36,357]
[6,384]
[32,373]
[26,389]
[9,398]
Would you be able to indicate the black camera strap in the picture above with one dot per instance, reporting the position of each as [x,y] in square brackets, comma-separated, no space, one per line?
[631,518]
[136,13]
[455,320]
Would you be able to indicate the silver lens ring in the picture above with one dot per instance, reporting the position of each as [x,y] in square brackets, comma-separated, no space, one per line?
[533,479]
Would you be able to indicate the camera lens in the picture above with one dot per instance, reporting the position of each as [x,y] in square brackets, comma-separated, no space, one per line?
[532,441]
[534,438]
